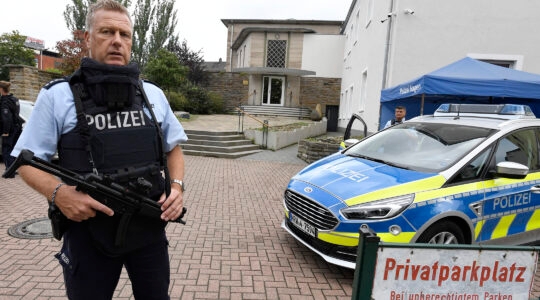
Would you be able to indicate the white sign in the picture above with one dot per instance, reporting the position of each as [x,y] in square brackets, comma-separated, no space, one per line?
[453,274]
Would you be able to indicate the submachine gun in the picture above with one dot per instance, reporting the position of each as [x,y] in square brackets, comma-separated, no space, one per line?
[102,188]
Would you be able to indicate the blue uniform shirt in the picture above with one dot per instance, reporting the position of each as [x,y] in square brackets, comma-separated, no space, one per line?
[54,114]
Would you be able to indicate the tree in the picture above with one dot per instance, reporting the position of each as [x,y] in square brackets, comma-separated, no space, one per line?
[163,26]
[143,16]
[191,59]
[75,15]
[13,51]
[154,24]
[72,52]
[165,69]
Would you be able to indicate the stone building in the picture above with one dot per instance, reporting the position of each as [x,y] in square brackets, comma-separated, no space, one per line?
[282,66]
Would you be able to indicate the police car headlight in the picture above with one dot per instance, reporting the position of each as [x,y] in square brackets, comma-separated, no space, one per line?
[381,209]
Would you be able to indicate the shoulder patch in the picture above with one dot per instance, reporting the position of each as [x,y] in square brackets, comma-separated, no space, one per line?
[55,81]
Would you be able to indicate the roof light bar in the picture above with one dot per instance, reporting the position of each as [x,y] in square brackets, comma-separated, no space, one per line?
[504,111]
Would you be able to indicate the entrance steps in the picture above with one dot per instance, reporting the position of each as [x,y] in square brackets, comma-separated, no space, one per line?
[223,144]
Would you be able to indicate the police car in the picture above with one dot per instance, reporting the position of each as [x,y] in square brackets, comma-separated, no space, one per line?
[466,174]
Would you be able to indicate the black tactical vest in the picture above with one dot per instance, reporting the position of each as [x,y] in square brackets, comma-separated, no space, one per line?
[117,139]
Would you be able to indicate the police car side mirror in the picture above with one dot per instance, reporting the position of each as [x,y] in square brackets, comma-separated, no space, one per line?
[350,142]
[510,169]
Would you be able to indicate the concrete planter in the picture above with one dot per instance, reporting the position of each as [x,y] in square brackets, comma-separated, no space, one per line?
[276,140]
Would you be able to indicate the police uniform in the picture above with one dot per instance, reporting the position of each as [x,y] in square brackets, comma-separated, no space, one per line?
[11,124]
[94,251]
[393,122]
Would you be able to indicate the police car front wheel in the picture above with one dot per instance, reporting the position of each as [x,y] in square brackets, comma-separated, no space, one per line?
[444,232]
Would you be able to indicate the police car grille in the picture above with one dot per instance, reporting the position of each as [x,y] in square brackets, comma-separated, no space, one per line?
[309,211]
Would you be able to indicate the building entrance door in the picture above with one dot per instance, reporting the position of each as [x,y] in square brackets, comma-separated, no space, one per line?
[273,90]
[332,112]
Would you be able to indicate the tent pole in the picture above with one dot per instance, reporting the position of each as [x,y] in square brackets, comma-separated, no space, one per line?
[422,106]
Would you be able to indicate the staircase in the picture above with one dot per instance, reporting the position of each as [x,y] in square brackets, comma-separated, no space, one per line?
[299,112]
[225,144]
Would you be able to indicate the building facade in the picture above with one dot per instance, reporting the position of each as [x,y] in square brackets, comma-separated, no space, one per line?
[283,62]
[388,42]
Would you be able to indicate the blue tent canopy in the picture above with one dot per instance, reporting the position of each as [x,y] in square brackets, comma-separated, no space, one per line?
[464,81]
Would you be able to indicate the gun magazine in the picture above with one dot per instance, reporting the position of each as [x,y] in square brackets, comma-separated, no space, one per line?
[59,222]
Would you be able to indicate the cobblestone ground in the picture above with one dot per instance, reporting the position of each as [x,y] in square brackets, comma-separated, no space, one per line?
[231,248]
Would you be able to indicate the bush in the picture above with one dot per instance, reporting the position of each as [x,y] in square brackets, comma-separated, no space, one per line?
[177,101]
[217,105]
[195,100]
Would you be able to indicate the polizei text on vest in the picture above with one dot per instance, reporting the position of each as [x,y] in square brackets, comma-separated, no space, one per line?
[122,119]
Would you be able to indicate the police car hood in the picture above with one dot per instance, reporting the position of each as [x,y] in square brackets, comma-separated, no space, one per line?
[345,177]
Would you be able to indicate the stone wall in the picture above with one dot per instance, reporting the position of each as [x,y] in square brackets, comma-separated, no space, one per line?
[27,81]
[310,151]
[319,90]
[231,88]
[313,90]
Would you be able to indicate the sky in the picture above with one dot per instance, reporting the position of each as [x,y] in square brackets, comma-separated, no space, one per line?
[199,21]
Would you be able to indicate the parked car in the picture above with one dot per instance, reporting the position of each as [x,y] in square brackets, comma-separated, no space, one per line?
[467,174]
[26,109]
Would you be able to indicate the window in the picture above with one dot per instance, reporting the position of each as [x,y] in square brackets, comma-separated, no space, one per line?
[520,147]
[244,57]
[277,50]
[474,169]
[501,63]
[239,60]
[504,60]
[363,91]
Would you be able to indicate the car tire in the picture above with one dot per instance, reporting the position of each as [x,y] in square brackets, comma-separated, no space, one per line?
[444,232]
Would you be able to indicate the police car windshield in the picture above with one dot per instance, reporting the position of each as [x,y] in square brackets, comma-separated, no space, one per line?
[425,147]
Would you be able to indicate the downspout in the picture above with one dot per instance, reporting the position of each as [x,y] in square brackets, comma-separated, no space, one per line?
[231,51]
[388,43]
[386,52]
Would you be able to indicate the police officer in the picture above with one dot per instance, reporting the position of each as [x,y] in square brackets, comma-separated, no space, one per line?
[399,116]
[11,122]
[101,120]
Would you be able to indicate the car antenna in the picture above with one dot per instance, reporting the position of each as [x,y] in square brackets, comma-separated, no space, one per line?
[458,110]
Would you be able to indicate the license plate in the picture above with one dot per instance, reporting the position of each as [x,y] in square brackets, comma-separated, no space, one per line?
[303,225]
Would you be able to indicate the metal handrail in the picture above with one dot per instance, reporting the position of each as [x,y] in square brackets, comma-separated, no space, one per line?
[265,126]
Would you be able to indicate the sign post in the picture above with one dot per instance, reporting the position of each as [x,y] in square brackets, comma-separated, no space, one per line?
[365,264]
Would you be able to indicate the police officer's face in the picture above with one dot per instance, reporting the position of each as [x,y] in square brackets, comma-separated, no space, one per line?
[110,38]
[399,114]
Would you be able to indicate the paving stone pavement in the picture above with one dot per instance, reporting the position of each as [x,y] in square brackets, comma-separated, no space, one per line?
[232,246]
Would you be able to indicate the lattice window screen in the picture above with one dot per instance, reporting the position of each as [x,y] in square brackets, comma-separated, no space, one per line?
[275,57]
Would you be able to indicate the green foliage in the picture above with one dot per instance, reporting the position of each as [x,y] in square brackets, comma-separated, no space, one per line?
[154,24]
[192,59]
[199,101]
[55,71]
[13,51]
[143,15]
[163,26]
[217,105]
[75,15]
[165,70]
[178,101]
[72,52]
